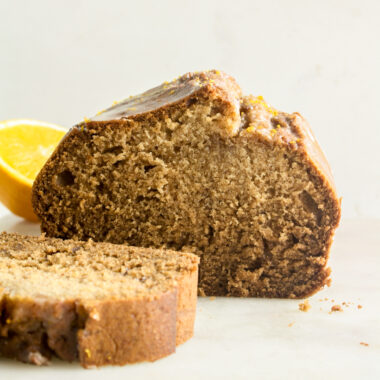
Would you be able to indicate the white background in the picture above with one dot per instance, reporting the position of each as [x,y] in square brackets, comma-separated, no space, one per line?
[63,60]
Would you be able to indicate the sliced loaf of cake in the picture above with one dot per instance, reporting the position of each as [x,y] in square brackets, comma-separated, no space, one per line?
[194,165]
[98,303]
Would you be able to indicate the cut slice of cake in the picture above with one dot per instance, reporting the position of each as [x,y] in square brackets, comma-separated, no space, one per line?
[194,165]
[98,303]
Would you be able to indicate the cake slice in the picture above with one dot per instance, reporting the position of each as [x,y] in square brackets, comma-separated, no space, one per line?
[195,165]
[94,302]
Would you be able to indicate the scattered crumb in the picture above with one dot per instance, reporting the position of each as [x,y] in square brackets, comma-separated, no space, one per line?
[291,324]
[304,306]
[212,298]
[336,308]
[364,344]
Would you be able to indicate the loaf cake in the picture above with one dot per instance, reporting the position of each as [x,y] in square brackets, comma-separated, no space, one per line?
[98,303]
[194,165]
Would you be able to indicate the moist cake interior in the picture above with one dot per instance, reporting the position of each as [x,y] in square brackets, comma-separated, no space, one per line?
[66,270]
[260,217]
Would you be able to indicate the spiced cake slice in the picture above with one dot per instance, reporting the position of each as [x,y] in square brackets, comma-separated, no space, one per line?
[97,303]
[195,165]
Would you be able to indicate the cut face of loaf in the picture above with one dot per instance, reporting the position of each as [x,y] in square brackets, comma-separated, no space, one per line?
[194,165]
[93,302]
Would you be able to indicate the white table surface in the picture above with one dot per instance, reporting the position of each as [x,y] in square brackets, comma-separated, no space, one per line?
[261,338]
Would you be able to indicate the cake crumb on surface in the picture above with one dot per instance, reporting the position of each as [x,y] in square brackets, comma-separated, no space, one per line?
[291,324]
[212,298]
[364,344]
[304,306]
[336,308]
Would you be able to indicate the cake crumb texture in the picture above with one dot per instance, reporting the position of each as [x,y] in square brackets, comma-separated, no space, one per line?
[194,165]
[98,303]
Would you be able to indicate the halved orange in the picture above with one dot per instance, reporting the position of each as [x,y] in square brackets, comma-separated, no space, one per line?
[25,145]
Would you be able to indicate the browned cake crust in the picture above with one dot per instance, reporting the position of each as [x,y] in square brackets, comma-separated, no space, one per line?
[195,165]
[94,302]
